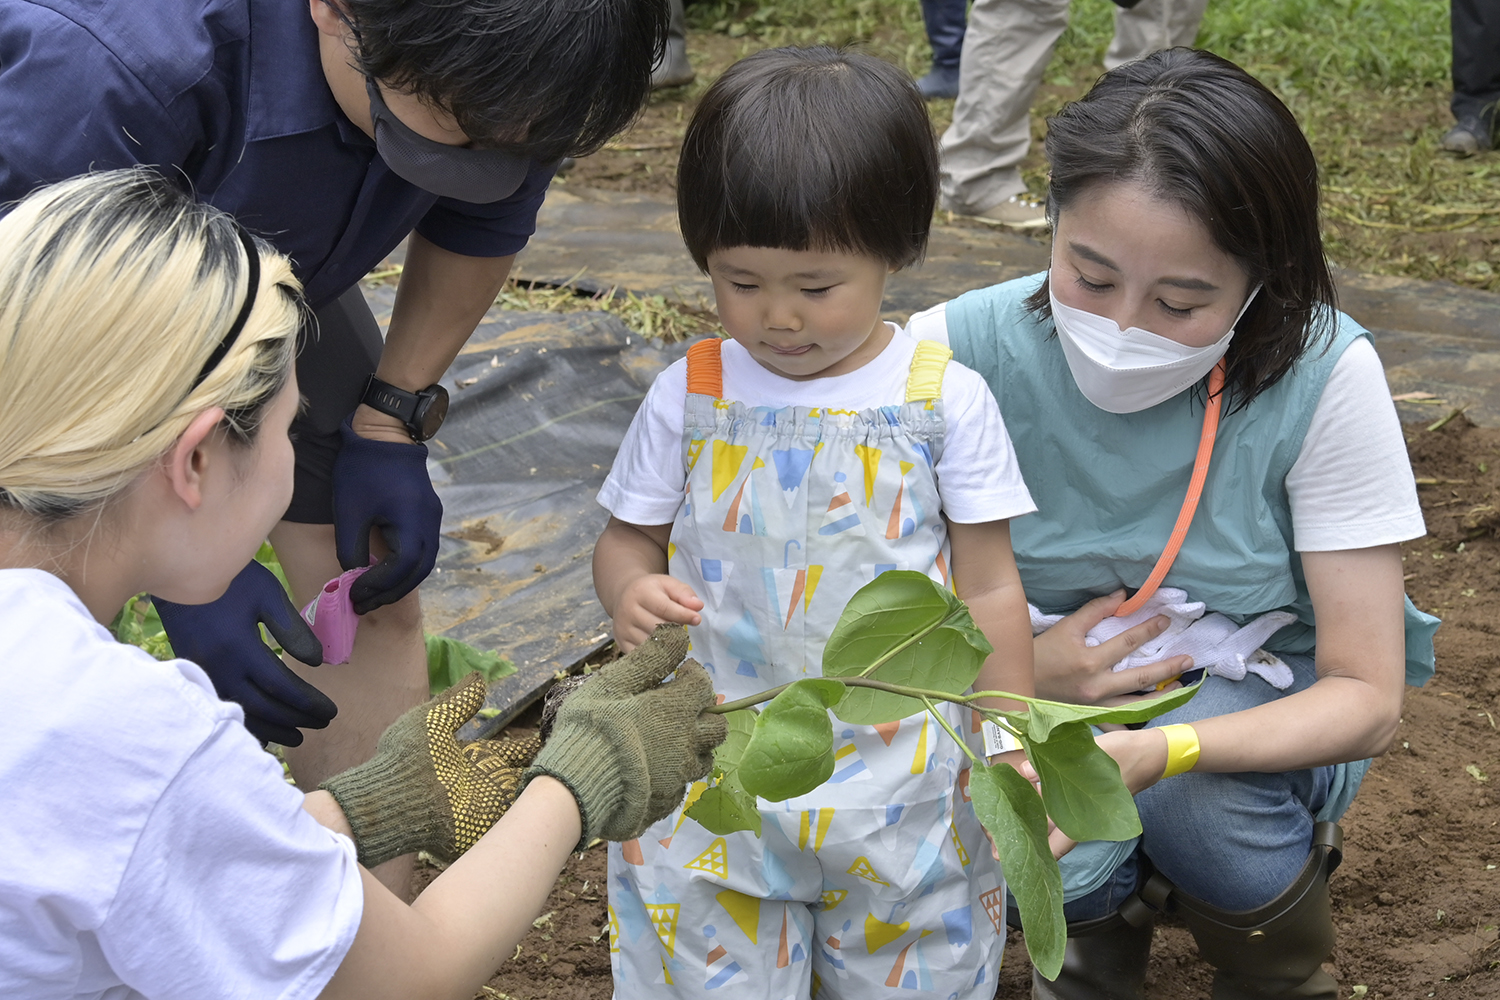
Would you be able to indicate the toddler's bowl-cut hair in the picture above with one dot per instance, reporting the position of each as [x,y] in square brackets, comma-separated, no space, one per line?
[809,149]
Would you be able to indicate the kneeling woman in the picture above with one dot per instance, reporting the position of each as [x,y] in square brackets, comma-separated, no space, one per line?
[146,389]
[1188,286]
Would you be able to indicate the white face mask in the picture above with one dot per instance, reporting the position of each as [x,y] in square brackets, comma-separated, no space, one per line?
[1125,371]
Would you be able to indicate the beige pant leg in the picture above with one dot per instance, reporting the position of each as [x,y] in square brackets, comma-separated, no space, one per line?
[1153,25]
[1006,50]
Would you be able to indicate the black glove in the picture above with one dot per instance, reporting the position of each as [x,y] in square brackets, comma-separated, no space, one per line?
[224,639]
[382,484]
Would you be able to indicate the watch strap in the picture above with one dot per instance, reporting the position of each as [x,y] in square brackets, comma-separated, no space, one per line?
[393,402]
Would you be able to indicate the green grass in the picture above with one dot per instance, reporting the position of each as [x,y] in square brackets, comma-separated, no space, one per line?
[1367,79]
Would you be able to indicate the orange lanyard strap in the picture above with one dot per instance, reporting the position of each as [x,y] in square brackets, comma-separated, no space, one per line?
[1194,493]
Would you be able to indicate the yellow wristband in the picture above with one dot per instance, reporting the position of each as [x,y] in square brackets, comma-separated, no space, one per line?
[1182,748]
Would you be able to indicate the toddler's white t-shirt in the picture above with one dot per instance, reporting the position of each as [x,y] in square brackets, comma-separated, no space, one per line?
[978,478]
[152,848]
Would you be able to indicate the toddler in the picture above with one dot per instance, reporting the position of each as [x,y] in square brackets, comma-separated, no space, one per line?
[765,479]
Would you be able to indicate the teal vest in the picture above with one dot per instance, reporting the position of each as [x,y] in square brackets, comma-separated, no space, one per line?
[1108,487]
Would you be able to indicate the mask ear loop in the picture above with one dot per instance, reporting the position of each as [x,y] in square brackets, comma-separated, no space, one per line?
[1194,494]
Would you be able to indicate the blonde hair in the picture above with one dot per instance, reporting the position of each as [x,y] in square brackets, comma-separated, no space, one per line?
[115,290]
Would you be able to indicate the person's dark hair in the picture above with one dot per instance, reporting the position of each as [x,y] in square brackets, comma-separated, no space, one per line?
[809,149]
[542,79]
[1202,133]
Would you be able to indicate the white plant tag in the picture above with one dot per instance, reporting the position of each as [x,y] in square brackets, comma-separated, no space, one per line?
[997,740]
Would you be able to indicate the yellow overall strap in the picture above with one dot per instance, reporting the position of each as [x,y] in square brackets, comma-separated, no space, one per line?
[925,381]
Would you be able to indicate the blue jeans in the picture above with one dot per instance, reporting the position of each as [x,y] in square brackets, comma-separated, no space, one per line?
[1234,841]
[946,21]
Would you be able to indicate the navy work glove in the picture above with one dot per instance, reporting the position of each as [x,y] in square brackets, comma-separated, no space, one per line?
[382,484]
[224,639]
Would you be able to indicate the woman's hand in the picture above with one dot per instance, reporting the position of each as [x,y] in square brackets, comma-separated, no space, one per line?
[652,600]
[1069,670]
[1142,757]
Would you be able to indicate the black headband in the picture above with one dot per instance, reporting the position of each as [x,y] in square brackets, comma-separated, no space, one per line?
[239,321]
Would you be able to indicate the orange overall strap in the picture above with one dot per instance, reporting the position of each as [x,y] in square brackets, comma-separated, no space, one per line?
[1194,492]
[705,369]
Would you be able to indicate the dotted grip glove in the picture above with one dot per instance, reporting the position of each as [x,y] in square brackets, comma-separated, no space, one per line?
[627,745]
[424,791]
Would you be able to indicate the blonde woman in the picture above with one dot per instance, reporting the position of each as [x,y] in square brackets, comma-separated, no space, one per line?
[146,390]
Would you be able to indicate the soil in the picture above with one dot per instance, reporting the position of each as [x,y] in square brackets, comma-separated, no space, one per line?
[1417,900]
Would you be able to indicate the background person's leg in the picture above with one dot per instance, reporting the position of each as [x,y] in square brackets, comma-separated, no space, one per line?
[1153,25]
[1476,74]
[1006,49]
[387,673]
[945,21]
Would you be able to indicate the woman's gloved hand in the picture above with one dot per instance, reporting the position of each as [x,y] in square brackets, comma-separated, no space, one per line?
[385,485]
[224,639]
[627,745]
[424,791]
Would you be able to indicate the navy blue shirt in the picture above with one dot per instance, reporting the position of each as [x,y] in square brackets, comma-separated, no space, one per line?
[229,96]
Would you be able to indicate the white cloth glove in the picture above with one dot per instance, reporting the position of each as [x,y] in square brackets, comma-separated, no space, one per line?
[1214,641]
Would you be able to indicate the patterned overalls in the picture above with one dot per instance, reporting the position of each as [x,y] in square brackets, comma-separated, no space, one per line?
[880,880]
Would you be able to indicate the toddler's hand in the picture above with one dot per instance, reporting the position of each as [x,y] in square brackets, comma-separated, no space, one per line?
[650,601]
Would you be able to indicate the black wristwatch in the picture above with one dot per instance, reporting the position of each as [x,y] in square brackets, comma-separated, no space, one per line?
[422,412]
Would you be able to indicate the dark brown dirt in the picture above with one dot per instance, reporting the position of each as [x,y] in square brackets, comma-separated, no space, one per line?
[1417,900]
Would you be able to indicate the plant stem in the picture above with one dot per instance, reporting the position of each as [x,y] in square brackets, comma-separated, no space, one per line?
[938,718]
[901,689]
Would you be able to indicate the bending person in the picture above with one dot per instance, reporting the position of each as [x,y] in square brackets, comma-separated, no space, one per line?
[146,392]
[1184,201]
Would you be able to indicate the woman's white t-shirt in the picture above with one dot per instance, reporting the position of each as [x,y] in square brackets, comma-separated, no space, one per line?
[152,848]
[978,477]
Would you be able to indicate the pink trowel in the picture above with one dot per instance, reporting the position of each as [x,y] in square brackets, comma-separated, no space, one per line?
[332,618]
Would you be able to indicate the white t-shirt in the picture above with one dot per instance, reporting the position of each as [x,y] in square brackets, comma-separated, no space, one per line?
[1351,486]
[152,848]
[978,478]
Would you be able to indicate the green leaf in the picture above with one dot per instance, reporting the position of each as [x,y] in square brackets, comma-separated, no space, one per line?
[1044,715]
[919,634]
[1082,787]
[727,807]
[138,624]
[1011,811]
[450,661]
[267,557]
[791,750]
[727,755]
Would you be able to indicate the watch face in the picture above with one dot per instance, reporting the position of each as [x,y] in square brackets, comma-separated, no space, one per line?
[432,416]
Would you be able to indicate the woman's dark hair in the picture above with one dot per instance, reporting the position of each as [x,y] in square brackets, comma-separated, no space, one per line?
[809,149]
[1203,134]
[540,78]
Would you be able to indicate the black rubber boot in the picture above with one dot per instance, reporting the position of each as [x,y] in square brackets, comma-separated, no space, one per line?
[1278,950]
[1105,960]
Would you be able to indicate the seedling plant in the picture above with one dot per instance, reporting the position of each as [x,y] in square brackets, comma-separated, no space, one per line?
[903,644]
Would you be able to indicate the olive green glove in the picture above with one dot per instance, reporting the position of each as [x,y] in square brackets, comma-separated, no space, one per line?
[424,791]
[627,745]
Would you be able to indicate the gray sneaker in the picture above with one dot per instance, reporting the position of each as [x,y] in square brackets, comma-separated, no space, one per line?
[1468,137]
[674,70]
[1021,211]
